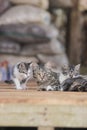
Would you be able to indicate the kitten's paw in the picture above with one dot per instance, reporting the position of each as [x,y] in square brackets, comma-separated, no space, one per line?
[61,89]
[49,88]
[23,86]
[19,88]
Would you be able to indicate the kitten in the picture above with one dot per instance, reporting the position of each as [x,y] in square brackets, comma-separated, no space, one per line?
[46,78]
[73,81]
[21,73]
[69,72]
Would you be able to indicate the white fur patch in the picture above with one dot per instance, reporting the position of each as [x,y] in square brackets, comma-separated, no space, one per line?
[63,77]
[49,88]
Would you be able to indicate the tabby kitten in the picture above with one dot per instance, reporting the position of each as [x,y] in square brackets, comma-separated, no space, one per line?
[46,78]
[74,81]
[69,71]
[21,73]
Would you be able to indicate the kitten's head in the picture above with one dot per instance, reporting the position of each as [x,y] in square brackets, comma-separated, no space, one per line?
[40,75]
[24,68]
[39,72]
[71,71]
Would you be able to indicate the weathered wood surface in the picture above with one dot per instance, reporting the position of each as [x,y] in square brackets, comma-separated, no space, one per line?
[42,108]
[46,128]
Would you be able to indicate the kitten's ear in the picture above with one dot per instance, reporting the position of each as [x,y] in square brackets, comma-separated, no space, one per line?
[21,65]
[34,65]
[77,67]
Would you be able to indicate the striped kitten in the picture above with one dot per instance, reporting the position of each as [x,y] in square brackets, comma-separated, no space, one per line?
[73,81]
[46,78]
[69,72]
[21,73]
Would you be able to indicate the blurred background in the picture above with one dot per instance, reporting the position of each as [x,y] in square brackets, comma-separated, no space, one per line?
[53,31]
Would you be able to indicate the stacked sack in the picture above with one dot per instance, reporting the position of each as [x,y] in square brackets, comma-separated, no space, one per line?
[27,24]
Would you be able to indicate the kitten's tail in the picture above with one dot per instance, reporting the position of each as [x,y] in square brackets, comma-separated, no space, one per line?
[9,81]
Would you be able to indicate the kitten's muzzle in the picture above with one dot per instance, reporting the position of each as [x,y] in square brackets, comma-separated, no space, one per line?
[71,75]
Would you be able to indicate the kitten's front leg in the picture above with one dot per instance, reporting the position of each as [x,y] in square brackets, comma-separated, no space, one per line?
[17,83]
[23,83]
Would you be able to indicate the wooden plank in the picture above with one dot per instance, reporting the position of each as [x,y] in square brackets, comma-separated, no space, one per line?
[45,128]
[37,108]
[31,85]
